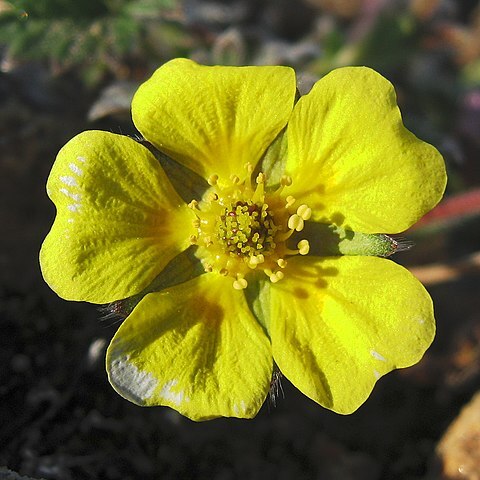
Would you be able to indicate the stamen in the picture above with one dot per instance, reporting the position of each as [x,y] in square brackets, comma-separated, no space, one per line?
[290,201]
[259,191]
[285,181]
[295,222]
[282,237]
[303,247]
[241,226]
[304,211]
[212,179]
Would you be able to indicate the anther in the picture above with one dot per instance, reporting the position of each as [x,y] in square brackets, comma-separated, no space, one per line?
[276,276]
[212,197]
[304,211]
[281,262]
[208,241]
[240,284]
[286,180]
[260,178]
[255,260]
[290,201]
[197,223]
[303,247]
[212,179]
[193,204]
[223,272]
[235,179]
[295,222]
[193,239]
[249,167]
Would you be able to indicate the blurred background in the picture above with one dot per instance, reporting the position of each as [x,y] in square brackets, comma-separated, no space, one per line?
[67,66]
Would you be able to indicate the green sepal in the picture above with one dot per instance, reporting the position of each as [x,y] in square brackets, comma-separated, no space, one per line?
[257,294]
[331,240]
[188,184]
[182,268]
[274,158]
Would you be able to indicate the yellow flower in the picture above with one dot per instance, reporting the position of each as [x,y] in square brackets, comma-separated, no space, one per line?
[290,189]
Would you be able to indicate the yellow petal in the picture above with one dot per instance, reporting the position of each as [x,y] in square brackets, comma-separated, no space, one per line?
[338,324]
[196,348]
[352,160]
[119,221]
[214,120]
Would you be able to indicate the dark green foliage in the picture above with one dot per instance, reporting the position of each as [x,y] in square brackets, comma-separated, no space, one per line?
[98,35]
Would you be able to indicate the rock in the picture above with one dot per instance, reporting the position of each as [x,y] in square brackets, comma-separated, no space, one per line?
[6,474]
[458,452]
[114,100]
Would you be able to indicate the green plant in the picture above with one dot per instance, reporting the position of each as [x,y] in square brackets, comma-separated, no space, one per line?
[100,36]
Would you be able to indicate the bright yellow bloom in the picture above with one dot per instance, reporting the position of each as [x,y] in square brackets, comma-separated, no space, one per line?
[288,190]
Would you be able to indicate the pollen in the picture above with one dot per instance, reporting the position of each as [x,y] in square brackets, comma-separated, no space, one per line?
[242,227]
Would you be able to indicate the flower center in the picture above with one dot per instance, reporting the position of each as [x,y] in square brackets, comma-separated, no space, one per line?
[241,227]
[247,229]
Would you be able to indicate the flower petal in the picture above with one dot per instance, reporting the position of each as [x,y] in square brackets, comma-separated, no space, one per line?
[119,221]
[214,119]
[338,324]
[196,348]
[352,160]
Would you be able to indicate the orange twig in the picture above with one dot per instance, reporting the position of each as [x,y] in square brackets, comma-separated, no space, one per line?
[435,273]
[452,208]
